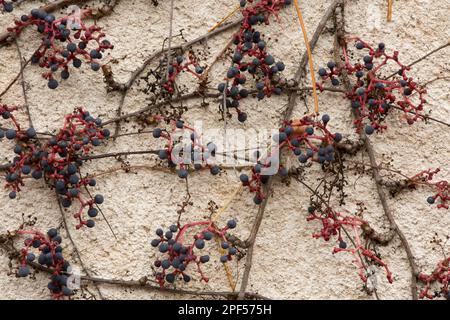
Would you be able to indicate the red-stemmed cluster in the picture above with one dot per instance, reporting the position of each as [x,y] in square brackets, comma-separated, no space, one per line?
[441,274]
[50,256]
[307,138]
[182,249]
[179,65]
[59,160]
[333,224]
[6,5]
[373,94]
[251,55]
[442,187]
[65,40]
[185,154]
[6,112]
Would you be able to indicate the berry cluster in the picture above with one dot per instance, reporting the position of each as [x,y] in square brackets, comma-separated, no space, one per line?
[180,254]
[373,95]
[58,160]
[180,153]
[51,256]
[251,55]
[441,275]
[7,6]
[442,187]
[308,139]
[65,40]
[6,112]
[179,65]
[332,224]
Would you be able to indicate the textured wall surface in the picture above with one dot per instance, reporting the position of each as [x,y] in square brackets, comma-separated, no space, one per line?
[288,263]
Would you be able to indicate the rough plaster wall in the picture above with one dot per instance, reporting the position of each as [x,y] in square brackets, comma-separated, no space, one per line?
[288,262]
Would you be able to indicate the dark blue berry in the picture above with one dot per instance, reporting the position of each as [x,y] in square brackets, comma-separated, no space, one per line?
[257,199]
[92,212]
[280,66]
[215,170]
[367,59]
[74,192]
[231,224]
[369,129]
[198,70]
[337,137]
[8,7]
[24,271]
[65,74]
[302,158]
[31,133]
[98,199]
[10,134]
[407,91]
[244,178]
[95,66]
[17,149]
[221,87]
[199,244]
[163,247]
[322,72]
[242,117]
[162,154]
[356,104]
[179,124]
[170,278]
[53,84]
[182,173]
[52,233]
[269,60]
[207,235]
[77,63]
[157,133]
[31,257]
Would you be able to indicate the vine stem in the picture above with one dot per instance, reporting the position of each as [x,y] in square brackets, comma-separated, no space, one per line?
[143,283]
[22,82]
[77,251]
[250,242]
[340,41]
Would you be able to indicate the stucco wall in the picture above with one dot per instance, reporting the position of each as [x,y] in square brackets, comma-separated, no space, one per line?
[288,262]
